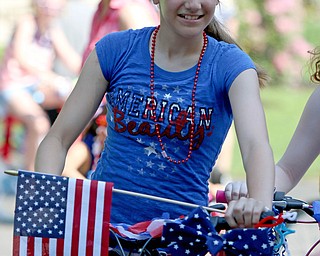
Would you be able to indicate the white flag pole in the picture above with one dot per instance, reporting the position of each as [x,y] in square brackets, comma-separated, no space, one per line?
[162,199]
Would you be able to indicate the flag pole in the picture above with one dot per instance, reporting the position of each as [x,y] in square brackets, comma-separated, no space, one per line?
[156,198]
[11,172]
[166,200]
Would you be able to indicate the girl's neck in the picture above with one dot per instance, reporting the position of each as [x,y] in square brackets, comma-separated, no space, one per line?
[43,24]
[177,53]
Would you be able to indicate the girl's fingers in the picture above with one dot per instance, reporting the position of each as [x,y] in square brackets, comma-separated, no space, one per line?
[243,190]
[235,190]
[244,212]
[228,191]
[256,213]
[234,215]
[229,216]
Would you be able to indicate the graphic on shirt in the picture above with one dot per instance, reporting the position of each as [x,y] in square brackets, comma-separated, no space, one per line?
[133,113]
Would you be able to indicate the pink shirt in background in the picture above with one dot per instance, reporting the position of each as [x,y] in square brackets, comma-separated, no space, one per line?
[110,22]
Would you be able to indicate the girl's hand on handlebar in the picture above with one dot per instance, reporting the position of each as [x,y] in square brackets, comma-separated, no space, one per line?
[235,190]
[244,212]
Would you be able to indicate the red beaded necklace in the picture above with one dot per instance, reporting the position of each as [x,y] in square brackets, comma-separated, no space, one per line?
[153,46]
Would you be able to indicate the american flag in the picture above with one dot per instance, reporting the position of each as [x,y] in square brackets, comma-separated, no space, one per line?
[56,215]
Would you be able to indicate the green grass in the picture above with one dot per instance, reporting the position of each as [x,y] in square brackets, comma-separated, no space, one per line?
[283,107]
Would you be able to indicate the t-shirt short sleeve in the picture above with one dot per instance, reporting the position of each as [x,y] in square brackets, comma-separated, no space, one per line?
[109,52]
[232,62]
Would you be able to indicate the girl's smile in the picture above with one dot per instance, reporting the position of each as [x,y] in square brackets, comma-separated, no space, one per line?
[190,17]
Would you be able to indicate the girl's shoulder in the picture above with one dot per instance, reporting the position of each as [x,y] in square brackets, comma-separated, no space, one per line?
[26,21]
[130,33]
[126,38]
[222,46]
[228,53]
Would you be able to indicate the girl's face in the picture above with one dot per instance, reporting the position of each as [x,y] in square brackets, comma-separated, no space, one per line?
[186,17]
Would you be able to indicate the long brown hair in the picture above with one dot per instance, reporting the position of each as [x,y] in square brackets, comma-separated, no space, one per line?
[315,65]
[218,31]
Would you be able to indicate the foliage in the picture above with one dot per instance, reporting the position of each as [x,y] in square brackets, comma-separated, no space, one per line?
[278,48]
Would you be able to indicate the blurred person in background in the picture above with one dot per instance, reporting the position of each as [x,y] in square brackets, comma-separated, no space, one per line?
[76,30]
[116,15]
[28,84]
[110,16]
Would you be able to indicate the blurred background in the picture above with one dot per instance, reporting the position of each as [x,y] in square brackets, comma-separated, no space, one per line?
[277,34]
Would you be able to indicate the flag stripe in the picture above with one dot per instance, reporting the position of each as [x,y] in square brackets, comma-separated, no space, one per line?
[16,245]
[45,246]
[106,219]
[76,218]
[23,246]
[84,216]
[69,218]
[30,245]
[38,246]
[91,220]
[60,247]
[53,246]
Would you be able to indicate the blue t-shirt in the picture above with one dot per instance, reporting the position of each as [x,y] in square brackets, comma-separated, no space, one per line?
[132,154]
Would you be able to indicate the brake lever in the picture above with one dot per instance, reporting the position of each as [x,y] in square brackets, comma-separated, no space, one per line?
[283,202]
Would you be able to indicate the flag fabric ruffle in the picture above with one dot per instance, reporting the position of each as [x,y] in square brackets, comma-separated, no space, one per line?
[195,235]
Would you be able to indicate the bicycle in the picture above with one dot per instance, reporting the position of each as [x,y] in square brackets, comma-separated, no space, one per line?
[215,235]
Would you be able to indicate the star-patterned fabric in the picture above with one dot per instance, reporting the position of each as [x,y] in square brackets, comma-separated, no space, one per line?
[196,236]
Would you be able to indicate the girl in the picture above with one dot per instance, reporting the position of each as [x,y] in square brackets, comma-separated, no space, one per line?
[171,94]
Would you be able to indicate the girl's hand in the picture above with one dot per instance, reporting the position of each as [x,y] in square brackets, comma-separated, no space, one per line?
[235,190]
[244,213]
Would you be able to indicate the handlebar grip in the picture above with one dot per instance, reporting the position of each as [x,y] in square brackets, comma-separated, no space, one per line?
[220,223]
[221,197]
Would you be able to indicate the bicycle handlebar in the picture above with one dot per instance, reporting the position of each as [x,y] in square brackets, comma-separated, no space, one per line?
[280,201]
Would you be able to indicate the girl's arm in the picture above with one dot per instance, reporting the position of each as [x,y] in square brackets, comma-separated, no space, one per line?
[65,52]
[73,118]
[303,148]
[257,156]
